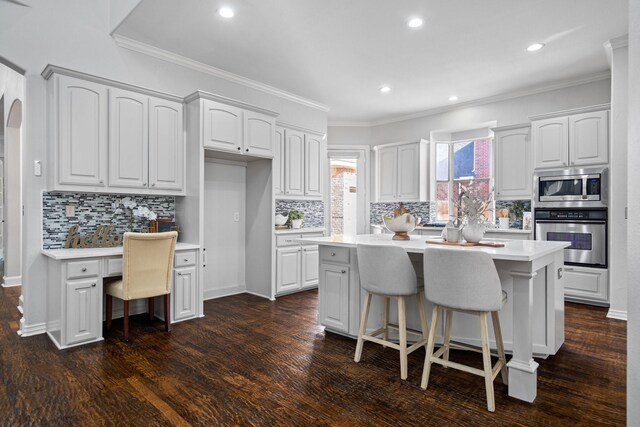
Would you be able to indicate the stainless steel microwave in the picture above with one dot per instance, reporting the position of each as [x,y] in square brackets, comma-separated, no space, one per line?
[585,187]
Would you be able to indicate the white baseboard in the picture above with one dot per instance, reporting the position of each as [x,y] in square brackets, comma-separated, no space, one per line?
[21,304]
[260,295]
[30,330]
[617,314]
[223,292]
[9,282]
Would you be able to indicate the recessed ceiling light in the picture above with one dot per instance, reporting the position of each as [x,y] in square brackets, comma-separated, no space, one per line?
[225,12]
[415,22]
[453,98]
[385,89]
[536,46]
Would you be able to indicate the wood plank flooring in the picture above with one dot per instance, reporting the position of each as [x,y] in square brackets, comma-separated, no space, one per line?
[255,362]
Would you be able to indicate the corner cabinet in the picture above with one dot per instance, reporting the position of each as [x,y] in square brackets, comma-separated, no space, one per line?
[401,172]
[512,145]
[110,139]
[571,140]
[299,164]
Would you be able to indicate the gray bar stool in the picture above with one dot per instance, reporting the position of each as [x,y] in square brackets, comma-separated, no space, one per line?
[387,271]
[467,282]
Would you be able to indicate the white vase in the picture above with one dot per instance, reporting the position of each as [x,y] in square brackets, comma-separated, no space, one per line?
[473,233]
[296,223]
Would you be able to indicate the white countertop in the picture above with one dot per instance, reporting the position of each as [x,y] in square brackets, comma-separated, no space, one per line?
[489,230]
[515,250]
[99,252]
[301,230]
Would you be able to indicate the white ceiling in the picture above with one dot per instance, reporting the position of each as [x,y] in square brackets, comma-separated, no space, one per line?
[339,52]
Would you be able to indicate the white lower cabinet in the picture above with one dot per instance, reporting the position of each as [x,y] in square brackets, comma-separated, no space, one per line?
[288,269]
[184,293]
[333,294]
[83,301]
[296,264]
[310,266]
[586,284]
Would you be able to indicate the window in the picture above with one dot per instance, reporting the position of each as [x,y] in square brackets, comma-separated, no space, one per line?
[456,164]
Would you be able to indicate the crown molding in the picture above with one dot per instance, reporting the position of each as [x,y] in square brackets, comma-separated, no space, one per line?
[482,101]
[199,94]
[511,127]
[174,58]
[299,128]
[348,124]
[622,41]
[581,110]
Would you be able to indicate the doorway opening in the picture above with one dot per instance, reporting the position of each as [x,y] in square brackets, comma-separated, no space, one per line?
[346,207]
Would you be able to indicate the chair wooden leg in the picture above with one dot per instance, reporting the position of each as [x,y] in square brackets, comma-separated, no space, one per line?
[486,358]
[402,331]
[385,320]
[423,315]
[430,344]
[151,304]
[126,319]
[448,314]
[500,345]
[109,311]
[363,326]
[167,312]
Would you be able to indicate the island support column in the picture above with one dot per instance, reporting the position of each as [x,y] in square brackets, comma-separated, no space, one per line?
[523,370]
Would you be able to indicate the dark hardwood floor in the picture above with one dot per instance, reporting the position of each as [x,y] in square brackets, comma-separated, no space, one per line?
[255,362]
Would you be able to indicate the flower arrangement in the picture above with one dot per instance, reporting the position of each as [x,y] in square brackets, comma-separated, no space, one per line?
[472,204]
[296,215]
[133,211]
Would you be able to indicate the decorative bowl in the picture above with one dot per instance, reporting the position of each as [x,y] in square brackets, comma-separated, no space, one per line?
[281,219]
[400,225]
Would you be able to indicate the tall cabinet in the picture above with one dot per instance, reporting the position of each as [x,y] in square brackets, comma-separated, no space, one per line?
[512,148]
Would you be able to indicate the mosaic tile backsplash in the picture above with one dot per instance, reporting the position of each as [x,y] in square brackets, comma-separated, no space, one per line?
[93,210]
[425,210]
[313,211]
[502,204]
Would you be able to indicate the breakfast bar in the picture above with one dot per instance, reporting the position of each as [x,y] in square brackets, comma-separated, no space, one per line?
[531,275]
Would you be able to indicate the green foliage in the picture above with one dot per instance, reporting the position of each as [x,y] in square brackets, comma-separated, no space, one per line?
[517,209]
[296,215]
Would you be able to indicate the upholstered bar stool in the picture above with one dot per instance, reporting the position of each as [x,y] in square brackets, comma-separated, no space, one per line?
[387,271]
[466,282]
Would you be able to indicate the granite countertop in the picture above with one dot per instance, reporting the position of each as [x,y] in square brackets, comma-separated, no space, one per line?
[301,230]
[100,252]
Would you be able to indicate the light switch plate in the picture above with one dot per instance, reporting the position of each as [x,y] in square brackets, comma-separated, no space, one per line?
[70,211]
[37,168]
[236,216]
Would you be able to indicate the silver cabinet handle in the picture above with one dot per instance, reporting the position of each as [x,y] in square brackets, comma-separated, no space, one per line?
[186,260]
[144,184]
[84,269]
[344,271]
[333,254]
[153,185]
[101,181]
[179,274]
[93,285]
[568,269]
[239,149]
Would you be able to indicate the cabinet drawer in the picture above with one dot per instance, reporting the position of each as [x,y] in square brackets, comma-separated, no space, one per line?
[318,234]
[288,240]
[113,266]
[335,254]
[184,258]
[79,269]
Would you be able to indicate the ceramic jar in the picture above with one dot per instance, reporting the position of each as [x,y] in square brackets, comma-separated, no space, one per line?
[473,233]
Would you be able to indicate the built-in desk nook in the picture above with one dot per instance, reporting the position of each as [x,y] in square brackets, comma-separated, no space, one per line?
[75,308]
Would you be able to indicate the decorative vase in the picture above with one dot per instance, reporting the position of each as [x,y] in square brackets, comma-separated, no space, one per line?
[473,233]
[296,223]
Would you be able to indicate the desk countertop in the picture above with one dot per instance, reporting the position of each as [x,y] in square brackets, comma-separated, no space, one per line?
[99,252]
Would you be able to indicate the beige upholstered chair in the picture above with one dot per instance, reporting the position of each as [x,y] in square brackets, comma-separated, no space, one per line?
[474,289]
[147,265]
[387,271]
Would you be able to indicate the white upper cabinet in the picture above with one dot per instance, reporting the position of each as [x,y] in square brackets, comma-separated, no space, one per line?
[258,134]
[128,139]
[81,119]
[573,140]
[166,145]
[401,172]
[222,127]
[513,162]
[294,163]
[313,165]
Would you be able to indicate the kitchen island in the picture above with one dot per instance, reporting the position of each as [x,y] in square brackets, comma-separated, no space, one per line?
[532,319]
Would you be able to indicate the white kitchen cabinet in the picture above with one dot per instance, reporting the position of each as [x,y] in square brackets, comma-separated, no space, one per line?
[278,162]
[185,290]
[79,120]
[128,139]
[571,140]
[584,284]
[310,264]
[258,134]
[166,145]
[333,294]
[288,269]
[312,165]
[401,172]
[294,163]
[83,301]
[222,126]
[296,263]
[513,162]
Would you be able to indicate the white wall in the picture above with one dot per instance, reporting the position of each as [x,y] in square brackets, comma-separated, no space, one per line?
[633,324]
[349,135]
[75,34]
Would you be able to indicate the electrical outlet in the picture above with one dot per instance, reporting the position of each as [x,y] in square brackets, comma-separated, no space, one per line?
[70,211]
[236,216]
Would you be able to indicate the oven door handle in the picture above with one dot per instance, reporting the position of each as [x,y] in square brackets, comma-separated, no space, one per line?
[545,221]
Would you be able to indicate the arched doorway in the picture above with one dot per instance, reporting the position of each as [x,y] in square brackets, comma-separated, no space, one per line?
[12,233]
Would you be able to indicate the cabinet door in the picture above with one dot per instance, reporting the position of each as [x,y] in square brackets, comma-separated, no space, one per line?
[128,139]
[513,164]
[278,162]
[82,132]
[409,173]
[586,284]
[84,311]
[589,138]
[551,142]
[288,269]
[166,145]
[222,127]
[184,293]
[387,174]
[310,266]
[258,134]
[293,163]
[312,165]
[333,292]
